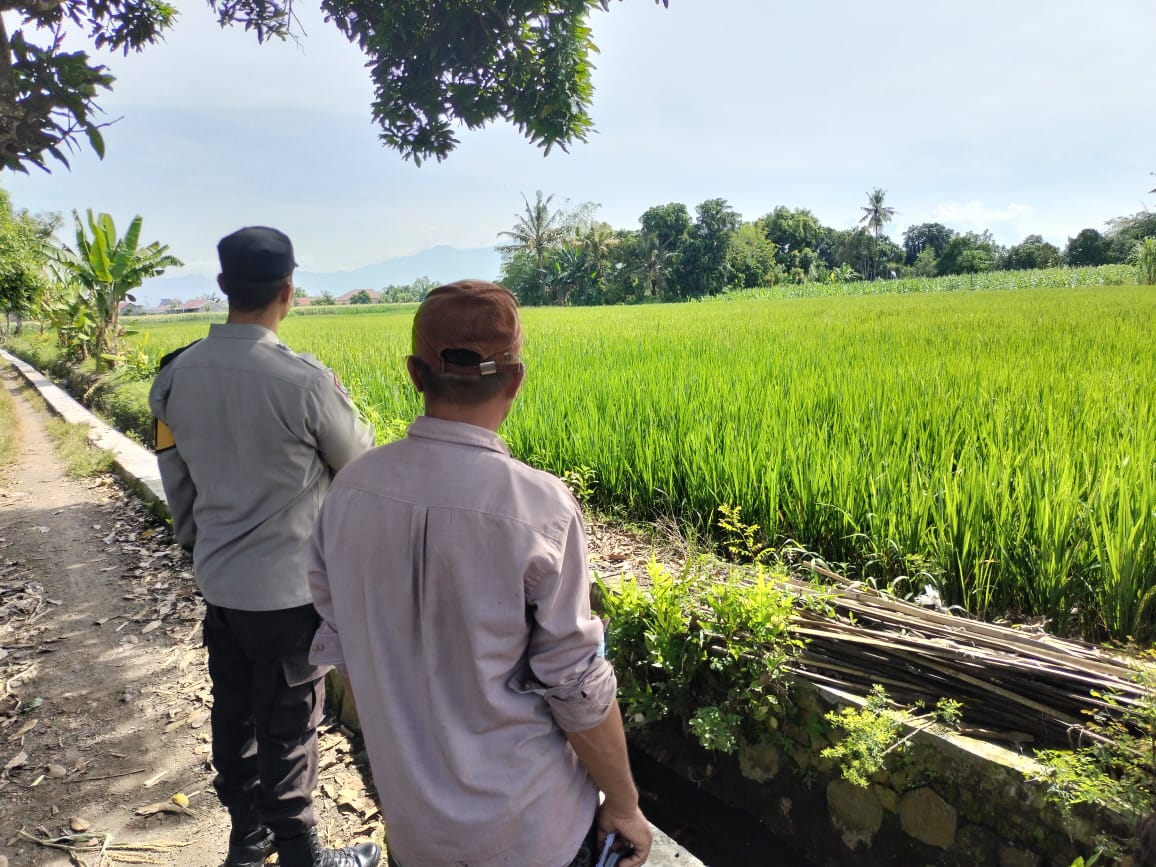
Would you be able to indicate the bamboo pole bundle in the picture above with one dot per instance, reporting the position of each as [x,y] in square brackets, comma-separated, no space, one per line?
[1015,685]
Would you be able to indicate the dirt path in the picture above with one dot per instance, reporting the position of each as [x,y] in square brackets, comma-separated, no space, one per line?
[103,692]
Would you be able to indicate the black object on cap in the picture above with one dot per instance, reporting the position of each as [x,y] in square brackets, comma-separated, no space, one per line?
[256,254]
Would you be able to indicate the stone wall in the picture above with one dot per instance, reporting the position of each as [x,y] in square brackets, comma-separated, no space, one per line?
[943,800]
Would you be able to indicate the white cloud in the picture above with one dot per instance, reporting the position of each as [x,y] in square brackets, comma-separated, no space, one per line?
[1009,223]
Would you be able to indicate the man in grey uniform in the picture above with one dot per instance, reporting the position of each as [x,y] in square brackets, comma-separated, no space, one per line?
[249,435]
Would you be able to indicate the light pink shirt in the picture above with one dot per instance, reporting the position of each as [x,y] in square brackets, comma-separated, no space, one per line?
[454,589]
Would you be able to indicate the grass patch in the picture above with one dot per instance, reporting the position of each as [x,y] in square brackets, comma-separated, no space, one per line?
[81,458]
[9,431]
[119,398]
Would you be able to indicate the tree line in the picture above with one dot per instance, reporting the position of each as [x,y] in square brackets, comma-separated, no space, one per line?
[394,293]
[561,256]
[565,255]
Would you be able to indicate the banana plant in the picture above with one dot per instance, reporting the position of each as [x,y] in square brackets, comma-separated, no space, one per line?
[70,315]
[107,268]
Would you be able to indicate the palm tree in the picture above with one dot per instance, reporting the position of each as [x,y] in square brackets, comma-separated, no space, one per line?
[597,243]
[537,230]
[107,269]
[875,215]
[652,264]
[567,274]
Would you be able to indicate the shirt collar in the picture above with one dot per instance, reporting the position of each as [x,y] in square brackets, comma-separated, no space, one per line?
[243,331]
[458,433]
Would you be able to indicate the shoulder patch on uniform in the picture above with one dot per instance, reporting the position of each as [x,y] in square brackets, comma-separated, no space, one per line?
[172,355]
[337,382]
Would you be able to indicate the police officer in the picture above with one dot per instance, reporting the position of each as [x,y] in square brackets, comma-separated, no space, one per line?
[249,435]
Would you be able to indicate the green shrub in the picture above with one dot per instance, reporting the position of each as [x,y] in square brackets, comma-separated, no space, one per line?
[706,649]
[1115,769]
[126,406]
[121,397]
[871,733]
[1144,258]
[9,431]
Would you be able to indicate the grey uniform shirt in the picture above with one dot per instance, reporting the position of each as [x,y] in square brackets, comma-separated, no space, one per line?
[259,432]
[454,588]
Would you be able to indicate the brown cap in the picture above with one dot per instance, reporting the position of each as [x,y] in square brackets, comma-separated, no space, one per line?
[471,317]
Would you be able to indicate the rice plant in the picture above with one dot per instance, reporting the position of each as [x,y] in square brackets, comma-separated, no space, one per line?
[999,442]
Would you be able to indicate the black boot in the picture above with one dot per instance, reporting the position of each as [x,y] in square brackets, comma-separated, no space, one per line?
[250,848]
[307,851]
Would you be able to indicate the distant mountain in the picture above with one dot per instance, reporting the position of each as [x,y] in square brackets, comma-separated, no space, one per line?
[441,264]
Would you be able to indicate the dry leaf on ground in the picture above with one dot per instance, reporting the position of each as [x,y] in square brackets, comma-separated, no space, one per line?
[163,807]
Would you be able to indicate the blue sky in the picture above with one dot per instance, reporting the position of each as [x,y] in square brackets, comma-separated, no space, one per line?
[1019,117]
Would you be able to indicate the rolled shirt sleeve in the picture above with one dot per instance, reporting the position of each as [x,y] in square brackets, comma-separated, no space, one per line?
[565,642]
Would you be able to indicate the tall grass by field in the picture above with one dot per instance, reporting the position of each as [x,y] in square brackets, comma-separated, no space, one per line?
[999,443]
[989,281]
[10,438]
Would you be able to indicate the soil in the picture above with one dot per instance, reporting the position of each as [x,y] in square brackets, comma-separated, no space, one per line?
[104,694]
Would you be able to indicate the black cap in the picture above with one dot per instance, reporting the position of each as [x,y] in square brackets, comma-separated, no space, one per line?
[256,254]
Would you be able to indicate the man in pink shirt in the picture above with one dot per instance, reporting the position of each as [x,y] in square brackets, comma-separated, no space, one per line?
[454,591]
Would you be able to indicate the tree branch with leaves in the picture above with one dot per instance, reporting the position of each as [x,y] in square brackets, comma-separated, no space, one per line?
[48,94]
[433,63]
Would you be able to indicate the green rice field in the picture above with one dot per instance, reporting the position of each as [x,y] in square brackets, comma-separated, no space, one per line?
[1001,444]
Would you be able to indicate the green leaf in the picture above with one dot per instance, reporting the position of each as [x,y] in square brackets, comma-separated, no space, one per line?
[96,140]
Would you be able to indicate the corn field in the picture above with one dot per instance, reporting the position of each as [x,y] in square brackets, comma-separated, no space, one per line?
[988,281]
[998,445]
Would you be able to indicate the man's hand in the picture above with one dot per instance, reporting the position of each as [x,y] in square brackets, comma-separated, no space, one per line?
[602,750]
[631,827]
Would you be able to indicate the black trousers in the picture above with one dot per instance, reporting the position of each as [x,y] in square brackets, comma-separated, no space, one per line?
[267,703]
